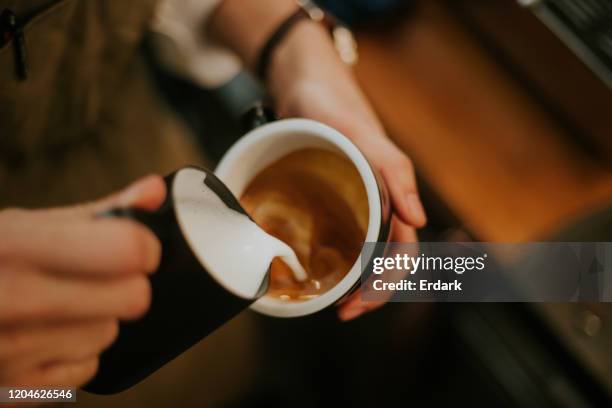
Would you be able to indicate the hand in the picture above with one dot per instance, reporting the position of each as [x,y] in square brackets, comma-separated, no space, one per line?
[66,279]
[308,80]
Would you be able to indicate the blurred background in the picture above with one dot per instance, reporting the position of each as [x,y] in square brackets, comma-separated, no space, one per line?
[506,109]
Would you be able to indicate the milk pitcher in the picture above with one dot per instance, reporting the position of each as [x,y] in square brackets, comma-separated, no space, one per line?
[195,289]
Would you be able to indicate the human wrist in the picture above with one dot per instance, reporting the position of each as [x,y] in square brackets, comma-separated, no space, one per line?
[245,25]
[307,78]
[304,58]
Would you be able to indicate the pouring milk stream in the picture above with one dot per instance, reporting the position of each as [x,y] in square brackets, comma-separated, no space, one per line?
[226,242]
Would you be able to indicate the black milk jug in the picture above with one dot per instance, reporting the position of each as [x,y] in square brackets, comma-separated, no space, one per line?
[191,293]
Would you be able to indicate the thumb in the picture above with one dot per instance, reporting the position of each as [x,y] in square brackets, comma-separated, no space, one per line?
[146,193]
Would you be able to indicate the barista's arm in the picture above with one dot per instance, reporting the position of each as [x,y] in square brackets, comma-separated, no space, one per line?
[307,78]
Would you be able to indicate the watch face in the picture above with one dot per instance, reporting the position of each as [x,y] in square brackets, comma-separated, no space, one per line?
[342,36]
[314,12]
[345,44]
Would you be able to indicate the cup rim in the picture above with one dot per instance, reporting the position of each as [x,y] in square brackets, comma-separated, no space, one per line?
[281,308]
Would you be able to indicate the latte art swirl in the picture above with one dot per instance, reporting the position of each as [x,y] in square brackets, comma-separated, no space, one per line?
[314,201]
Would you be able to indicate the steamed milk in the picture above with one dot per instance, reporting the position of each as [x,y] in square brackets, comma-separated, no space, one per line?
[233,249]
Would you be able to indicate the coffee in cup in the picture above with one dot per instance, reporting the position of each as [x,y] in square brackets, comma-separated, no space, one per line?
[315,201]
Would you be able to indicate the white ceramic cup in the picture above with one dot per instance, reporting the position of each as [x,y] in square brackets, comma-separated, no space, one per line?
[266,144]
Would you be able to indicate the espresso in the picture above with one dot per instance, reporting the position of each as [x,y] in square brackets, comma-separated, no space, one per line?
[315,201]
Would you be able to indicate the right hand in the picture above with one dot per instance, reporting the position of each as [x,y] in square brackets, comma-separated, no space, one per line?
[67,278]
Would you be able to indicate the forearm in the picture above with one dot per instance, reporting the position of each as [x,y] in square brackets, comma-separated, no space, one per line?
[304,61]
[307,63]
[245,25]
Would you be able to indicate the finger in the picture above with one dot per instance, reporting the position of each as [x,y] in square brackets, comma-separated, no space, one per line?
[23,348]
[69,374]
[30,296]
[399,177]
[146,193]
[355,306]
[83,246]
[402,232]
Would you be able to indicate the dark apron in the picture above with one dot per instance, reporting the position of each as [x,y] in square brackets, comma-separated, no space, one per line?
[86,120]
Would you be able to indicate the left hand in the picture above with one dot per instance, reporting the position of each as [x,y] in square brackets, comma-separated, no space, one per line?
[306,78]
[320,87]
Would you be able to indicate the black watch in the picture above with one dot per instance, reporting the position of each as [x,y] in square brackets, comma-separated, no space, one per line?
[342,37]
